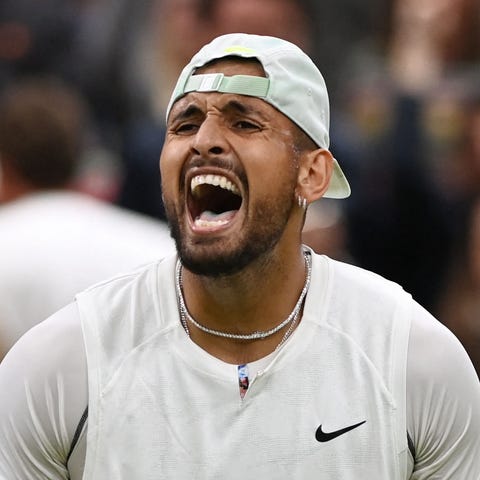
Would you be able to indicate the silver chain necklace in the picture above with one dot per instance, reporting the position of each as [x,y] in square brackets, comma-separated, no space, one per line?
[258,335]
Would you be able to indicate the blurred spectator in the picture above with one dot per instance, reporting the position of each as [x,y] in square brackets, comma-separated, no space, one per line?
[288,19]
[36,37]
[77,41]
[401,219]
[55,242]
[432,39]
[460,177]
[460,306]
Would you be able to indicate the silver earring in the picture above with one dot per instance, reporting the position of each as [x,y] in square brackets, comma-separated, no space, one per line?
[302,202]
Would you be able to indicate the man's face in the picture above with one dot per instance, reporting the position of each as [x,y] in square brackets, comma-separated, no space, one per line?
[229,173]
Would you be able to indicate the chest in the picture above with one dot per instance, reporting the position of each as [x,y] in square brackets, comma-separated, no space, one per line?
[320,414]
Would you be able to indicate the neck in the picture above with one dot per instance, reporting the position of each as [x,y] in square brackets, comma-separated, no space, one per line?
[259,298]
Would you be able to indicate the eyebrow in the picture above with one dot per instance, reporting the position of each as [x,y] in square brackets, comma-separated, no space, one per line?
[242,108]
[185,113]
[235,105]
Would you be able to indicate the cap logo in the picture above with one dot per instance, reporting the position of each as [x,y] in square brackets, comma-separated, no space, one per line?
[239,49]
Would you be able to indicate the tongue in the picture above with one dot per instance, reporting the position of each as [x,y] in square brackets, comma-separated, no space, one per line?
[211,218]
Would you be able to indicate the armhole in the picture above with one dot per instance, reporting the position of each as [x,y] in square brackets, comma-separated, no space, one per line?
[411,446]
[78,432]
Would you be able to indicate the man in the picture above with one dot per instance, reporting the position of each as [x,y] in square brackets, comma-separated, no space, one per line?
[55,242]
[249,355]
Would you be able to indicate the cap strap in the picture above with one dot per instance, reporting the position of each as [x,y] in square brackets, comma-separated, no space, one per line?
[218,82]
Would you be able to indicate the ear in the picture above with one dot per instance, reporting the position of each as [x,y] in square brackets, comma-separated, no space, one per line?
[314,174]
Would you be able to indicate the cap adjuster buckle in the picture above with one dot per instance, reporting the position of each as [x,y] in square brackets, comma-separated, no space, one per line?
[210,82]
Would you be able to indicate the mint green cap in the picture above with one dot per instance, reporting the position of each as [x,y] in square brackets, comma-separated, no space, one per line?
[293,85]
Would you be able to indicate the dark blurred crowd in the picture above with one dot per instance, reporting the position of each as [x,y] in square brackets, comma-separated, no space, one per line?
[404,82]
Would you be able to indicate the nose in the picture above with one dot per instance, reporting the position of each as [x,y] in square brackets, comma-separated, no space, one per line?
[210,138]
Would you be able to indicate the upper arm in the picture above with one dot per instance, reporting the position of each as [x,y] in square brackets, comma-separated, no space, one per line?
[443,403]
[43,389]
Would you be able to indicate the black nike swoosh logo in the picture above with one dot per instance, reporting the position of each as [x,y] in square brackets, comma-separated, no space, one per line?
[322,436]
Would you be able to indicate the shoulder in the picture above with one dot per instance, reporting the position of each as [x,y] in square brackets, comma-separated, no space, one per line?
[110,310]
[443,400]
[437,360]
[46,377]
[141,281]
[359,278]
[364,300]
[49,353]
[433,345]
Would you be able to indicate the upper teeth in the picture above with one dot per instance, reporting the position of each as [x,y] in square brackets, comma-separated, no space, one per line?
[216,180]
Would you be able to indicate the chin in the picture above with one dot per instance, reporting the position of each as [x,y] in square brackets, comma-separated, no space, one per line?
[215,256]
[213,262]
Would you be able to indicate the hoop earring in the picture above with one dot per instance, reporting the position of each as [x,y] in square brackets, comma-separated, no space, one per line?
[302,202]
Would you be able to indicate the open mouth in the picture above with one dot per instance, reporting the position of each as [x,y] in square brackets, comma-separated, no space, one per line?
[213,201]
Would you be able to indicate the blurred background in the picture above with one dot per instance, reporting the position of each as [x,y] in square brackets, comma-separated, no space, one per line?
[404,84]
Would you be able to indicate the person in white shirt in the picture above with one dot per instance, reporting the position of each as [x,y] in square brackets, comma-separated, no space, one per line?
[245,354]
[54,241]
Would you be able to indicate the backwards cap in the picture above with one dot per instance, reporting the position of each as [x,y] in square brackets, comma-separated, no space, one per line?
[293,85]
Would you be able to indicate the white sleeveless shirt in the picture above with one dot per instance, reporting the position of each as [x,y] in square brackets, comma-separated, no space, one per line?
[162,407]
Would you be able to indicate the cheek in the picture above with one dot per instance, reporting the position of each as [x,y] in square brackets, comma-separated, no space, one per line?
[272,189]
[272,172]
[164,176]
[166,160]
[170,168]
[164,170]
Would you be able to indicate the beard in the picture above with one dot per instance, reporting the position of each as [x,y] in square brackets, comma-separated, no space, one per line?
[262,231]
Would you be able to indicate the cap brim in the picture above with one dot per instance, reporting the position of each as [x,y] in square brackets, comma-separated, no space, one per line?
[339,186]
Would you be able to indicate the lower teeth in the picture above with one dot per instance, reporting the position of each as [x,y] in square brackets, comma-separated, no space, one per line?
[209,219]
[209,223]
